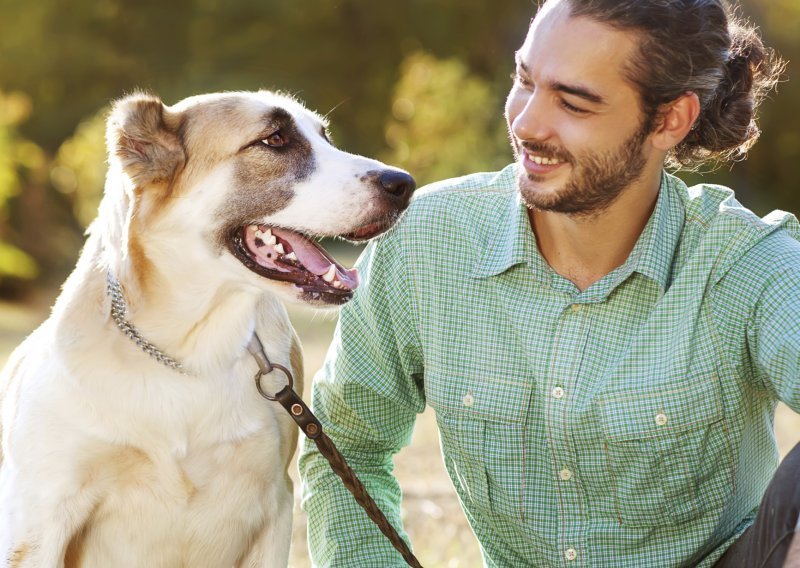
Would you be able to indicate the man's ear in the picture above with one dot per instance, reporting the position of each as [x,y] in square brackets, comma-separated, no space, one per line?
[142,135]
[677,119]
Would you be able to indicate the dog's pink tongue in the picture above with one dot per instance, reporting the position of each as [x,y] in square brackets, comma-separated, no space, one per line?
[315,259]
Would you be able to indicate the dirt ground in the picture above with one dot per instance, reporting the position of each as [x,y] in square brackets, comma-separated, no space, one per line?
[432,516]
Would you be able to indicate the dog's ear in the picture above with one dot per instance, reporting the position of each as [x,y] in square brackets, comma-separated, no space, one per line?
[144,137]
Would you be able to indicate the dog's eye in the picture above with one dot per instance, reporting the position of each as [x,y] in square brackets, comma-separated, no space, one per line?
[275,140]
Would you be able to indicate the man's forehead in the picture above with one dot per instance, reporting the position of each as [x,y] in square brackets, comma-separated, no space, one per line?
[576,50]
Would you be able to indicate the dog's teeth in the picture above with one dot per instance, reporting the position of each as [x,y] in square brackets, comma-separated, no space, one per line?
[330,275]
[279,248]
[259,234]
[270,240]
[291,256]
[268,232]
[338,284]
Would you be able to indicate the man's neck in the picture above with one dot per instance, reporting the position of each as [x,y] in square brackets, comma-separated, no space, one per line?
[583,249]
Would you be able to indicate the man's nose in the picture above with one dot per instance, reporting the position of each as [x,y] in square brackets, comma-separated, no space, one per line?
[532,122]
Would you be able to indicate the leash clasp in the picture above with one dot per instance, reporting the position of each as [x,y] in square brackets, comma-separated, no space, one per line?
[265,367]
[262,372]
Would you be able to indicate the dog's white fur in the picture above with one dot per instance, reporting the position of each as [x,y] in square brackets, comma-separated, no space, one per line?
[110,459]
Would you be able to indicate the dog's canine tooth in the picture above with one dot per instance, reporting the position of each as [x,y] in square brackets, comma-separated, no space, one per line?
[259,234]
[330,275]
[270,240]
[291,256]
[279,248]
[268,233]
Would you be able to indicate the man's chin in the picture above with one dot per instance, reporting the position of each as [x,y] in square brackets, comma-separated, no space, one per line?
[536,192]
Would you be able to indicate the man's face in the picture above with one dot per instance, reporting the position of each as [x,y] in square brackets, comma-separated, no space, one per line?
[575,122]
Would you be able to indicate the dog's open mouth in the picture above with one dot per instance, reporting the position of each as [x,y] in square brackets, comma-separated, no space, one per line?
[289,256]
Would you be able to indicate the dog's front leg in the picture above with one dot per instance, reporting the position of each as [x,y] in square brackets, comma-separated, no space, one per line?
[36,526]
[271,548]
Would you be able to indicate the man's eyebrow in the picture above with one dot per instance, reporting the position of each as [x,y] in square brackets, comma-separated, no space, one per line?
[578,91]
[575,90]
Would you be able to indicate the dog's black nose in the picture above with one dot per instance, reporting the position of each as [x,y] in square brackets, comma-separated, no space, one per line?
[398,183]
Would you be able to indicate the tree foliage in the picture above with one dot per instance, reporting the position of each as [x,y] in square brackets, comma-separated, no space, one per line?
[419,83]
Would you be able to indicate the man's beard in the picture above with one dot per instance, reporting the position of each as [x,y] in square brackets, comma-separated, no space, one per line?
[596,181]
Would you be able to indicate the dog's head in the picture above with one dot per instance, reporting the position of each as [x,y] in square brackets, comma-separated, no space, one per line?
[238,187]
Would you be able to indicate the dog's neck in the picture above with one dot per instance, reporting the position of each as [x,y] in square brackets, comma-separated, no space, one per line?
[119,313]
[202,325]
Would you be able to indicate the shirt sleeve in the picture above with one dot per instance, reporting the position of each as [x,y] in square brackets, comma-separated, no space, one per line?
[367,397]
[774,330]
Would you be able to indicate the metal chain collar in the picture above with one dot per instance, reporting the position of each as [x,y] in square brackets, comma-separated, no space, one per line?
[119,310]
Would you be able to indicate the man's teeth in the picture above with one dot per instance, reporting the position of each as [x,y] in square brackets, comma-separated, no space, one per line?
[541,160]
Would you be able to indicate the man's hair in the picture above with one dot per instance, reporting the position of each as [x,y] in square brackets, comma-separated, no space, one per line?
[702,47]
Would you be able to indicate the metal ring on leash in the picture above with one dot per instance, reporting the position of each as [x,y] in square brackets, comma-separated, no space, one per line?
[281,368]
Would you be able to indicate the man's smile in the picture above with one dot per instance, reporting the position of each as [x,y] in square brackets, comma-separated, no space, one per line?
[539,164]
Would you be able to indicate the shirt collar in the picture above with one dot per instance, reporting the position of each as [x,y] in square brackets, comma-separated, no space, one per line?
[513,241]
[653,254]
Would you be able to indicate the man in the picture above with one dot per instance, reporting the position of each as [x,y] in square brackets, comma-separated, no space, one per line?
[603,346]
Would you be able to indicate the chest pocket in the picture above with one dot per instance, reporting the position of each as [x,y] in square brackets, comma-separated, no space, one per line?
[482,427]
[668,452]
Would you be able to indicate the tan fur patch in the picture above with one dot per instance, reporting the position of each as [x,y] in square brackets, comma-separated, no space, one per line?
[129,459]
[74,555]
[140,264]
[188,486]
[18,556]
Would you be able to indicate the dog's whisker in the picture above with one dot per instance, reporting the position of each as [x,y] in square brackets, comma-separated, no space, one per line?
[327,114]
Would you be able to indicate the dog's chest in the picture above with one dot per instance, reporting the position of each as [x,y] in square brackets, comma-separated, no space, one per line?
[215,500]
[195,488]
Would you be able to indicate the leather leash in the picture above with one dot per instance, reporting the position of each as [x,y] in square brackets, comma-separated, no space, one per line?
[312,428]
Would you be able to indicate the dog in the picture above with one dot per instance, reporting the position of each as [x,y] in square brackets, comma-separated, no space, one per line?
[132,432]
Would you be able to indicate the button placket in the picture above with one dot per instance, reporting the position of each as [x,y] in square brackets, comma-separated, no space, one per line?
[565,372]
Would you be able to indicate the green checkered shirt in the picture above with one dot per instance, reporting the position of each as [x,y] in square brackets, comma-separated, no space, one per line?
[628,425]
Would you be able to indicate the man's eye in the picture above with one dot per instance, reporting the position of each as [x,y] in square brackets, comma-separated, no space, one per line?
[572,108]
[275,140]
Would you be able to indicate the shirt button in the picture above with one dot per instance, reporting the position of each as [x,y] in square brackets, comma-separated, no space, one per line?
[575,308]
[468,399]
[565,474]
[661,419]
[570,554]
[558,392]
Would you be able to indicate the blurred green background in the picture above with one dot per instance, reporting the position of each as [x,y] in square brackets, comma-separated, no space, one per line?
[417,83]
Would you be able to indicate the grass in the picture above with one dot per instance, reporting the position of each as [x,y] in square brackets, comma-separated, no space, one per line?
[432,515]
